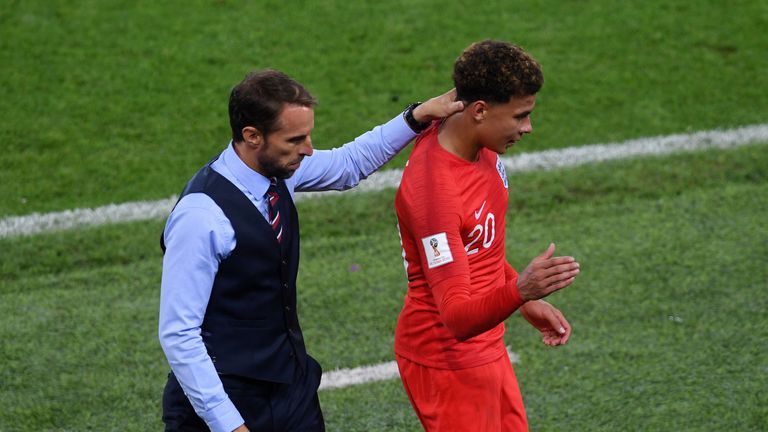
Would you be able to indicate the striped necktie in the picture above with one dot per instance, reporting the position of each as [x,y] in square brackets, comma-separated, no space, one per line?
[274,212]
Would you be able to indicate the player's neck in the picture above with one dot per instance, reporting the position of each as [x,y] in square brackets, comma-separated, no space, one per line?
[458,137]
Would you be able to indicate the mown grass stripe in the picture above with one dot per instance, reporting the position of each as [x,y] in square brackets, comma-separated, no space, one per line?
[36,223]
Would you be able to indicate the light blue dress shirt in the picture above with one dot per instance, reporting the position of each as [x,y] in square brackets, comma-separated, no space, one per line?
[198,236]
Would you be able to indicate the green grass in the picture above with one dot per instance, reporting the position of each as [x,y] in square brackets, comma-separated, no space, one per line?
[668,313]
[113,101]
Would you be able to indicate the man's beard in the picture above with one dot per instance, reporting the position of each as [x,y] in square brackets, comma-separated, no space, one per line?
[271,168]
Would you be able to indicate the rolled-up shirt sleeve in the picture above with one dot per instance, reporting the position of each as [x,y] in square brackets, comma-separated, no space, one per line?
[344,167]
[197,237]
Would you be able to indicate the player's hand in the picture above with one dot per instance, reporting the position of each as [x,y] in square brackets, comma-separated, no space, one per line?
[438,107]
[553,326]
[241,428]
[546,274]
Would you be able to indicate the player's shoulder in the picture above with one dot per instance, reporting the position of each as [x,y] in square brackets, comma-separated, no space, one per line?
[427,155]
[430,170]
[493,166]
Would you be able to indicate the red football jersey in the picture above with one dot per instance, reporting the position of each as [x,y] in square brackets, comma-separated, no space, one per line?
[451,216]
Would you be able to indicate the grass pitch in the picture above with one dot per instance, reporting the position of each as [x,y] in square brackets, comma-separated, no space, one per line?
[114,101]
[667,314]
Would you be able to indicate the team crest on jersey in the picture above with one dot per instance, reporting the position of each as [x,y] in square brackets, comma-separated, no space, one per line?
[502,171]
[436,250]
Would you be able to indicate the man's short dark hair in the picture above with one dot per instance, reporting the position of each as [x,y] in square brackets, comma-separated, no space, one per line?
[495,71]
[259,98]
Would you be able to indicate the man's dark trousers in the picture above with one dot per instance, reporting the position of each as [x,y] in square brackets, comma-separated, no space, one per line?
[265,406]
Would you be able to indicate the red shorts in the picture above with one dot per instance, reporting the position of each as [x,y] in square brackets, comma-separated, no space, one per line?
[482,398]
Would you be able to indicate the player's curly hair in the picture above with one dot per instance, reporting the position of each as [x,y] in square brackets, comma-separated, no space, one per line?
[495,71]
[259,98]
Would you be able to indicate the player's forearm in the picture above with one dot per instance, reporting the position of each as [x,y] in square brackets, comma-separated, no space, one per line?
[510,274]
[466,316]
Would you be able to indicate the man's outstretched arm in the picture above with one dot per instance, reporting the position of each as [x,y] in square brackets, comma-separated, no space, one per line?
[343,167]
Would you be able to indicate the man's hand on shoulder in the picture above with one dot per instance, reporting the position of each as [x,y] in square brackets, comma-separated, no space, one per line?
[438,107]
[241,428]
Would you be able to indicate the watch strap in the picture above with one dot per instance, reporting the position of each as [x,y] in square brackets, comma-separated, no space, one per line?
[415,126]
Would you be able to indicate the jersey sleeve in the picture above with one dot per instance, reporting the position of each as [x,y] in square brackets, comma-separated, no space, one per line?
[510,274]
[434,221]
[431,215]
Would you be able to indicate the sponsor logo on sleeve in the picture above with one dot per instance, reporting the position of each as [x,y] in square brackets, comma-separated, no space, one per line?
[437,250]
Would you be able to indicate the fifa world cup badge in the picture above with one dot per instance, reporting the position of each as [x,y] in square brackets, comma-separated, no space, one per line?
[436,250]
[433,243]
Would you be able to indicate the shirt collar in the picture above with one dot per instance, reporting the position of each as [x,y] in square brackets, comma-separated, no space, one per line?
[256,183]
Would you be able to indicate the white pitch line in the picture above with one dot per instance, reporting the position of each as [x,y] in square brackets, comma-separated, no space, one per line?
[341,378]
[36,223]
[654,146]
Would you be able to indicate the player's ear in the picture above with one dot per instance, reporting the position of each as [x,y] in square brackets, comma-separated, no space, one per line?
[253,137]
[477,110]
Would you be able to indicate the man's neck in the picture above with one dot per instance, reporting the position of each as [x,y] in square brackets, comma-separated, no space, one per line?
[247,156]
[457,136]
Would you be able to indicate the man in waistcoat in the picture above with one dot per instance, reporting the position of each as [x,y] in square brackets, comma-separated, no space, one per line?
[228,322]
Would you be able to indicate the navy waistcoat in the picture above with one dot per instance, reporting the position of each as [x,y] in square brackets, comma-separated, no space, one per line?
[251,328]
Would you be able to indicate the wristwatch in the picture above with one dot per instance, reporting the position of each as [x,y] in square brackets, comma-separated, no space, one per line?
[412,123]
